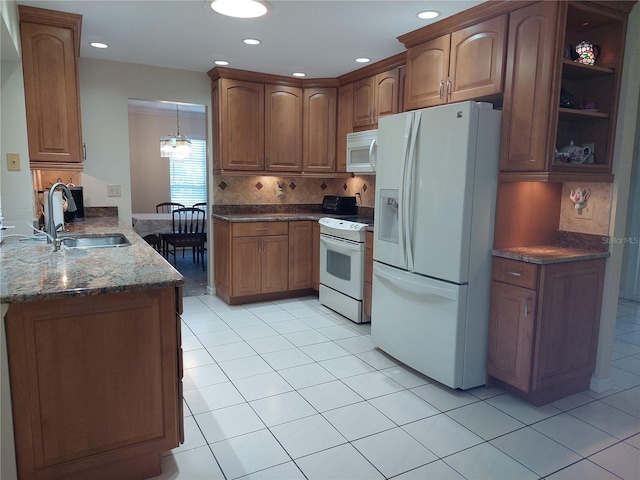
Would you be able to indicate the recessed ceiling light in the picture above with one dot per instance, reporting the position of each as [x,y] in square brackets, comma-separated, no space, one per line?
[221,62]
[240,8]
[299,74]
[362,60]
[251,41]
[428,14]
[99,45]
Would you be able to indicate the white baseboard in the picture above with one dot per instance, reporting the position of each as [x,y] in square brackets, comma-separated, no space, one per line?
[600,385]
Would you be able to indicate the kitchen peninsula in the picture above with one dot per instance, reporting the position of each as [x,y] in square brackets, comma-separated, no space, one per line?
[93,342]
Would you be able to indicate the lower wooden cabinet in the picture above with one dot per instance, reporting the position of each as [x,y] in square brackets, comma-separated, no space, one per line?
[95,384]
[543,327]
[260,257]
[263,260]
[368,274]
[315,256]
[301,255]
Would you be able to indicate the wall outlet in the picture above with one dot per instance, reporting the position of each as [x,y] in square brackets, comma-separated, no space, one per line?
[13,162]
[113,190]
[585,213]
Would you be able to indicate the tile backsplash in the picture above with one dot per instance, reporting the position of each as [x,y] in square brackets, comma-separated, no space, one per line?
[261,190]
[599,201]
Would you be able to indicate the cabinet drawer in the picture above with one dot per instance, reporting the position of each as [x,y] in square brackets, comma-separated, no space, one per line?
[515,272]
[257,229]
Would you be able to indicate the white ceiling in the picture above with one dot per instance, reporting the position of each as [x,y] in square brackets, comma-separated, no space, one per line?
[318,37]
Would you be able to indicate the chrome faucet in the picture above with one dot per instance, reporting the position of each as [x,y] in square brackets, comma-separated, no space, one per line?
[51,227]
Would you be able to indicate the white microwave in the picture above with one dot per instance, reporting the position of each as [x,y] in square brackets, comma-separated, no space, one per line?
[362,150]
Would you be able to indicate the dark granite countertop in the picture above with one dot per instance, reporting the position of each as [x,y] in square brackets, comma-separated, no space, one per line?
[268,217]
[31,271]
[545,254]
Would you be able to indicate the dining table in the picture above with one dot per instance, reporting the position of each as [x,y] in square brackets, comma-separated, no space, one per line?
[152,223]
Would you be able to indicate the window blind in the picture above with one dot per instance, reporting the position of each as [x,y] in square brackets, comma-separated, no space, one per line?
[189,176]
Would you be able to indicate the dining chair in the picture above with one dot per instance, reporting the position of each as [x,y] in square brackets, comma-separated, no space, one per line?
[188,232]
[168,207]
[202,205]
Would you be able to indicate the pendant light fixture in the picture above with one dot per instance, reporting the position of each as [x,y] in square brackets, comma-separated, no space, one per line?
[176,147]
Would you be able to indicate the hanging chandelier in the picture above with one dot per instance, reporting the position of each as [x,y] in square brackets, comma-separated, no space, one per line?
[176,147]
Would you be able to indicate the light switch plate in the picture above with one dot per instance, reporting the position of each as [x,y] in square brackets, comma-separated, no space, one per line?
[13,162]
[113,191]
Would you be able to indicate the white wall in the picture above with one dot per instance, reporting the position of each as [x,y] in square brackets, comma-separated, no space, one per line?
[104,89]
[622,161]
[150,177]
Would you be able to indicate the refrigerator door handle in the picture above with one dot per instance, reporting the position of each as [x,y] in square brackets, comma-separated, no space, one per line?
[408,191]
[416,288]
[401,205]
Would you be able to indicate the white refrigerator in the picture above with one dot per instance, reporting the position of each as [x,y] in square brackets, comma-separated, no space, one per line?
[436,185]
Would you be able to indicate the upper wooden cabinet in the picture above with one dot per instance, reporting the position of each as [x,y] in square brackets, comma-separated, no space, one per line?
[266,123]
[283,128]
[345,124]
[238,111]
[319,130]
[375,97]
[50,52]
[535,122]
[466,64]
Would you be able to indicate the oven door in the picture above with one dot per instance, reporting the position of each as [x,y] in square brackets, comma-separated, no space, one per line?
[342,265]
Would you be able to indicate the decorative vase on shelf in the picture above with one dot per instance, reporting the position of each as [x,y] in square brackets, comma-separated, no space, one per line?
[587,53]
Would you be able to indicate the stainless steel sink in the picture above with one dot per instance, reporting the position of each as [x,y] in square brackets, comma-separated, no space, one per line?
[96,241]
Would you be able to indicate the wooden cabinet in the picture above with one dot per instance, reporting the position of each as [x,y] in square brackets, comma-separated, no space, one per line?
[301,255]
[344,124]
[543,327]
[368,274]
[259,259]
[464,65]
[238,110]
[375,97]
[50,52]
[319,130]
[315,256]
[95,384]
[534,121]
[265,123]
[530,87]
[283,128]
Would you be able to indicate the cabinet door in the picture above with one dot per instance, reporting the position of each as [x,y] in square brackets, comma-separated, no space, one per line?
[95,383]
[531,93]
[241,125]
[364,98]
[477,58]
[368,274]
[319,130]
[247,266]
[275,263]
[283,128]
[300,255]
[386,91]
[569,321]
[222,255]
[427,73]
[511,334]
[52,93]
[316,256]
[345,125]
